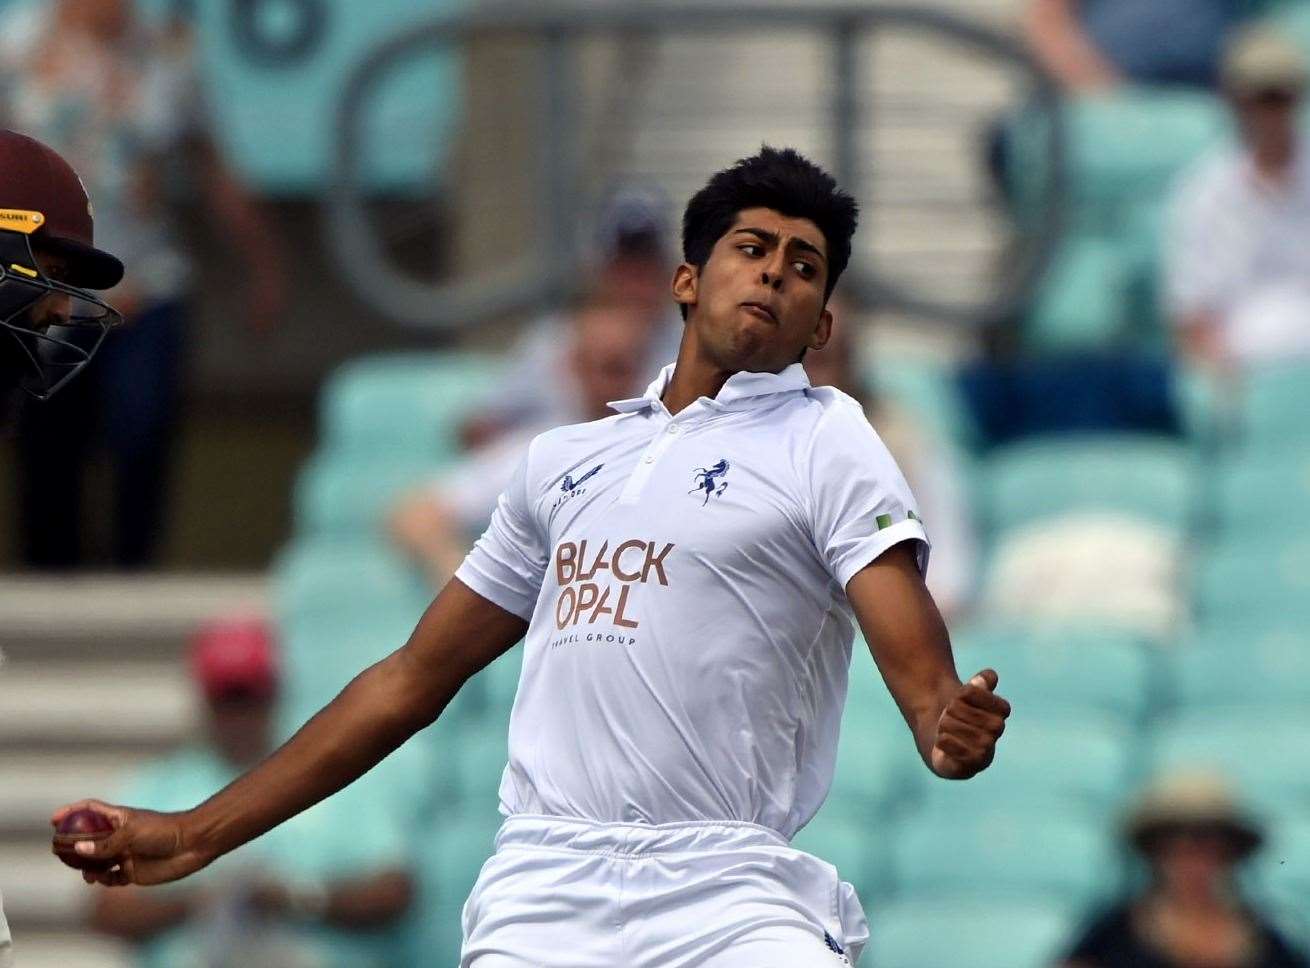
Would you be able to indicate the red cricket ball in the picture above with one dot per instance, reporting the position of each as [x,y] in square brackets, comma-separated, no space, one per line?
[81,825]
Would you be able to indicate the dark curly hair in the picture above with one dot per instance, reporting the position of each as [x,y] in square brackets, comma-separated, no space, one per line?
[780,179]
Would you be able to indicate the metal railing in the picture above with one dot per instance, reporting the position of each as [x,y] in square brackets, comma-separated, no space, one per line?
[542,279]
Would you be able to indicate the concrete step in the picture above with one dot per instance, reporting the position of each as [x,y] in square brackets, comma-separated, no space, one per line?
[39,891]
[70,949]
[124,616]
[32,784]
[141,705]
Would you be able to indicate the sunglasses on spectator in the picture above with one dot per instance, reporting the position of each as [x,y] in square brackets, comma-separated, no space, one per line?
[1272,97]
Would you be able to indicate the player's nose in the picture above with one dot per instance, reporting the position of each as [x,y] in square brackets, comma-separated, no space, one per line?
[54,309]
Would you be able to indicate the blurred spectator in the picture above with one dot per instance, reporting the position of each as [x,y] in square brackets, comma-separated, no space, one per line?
[633,267]
[1237,254]
[606,350]
[119,98]
[929,464]
[1091,45]
[1192,836]
[329,888]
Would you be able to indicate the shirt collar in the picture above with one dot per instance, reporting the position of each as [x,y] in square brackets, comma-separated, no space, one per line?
[738,393]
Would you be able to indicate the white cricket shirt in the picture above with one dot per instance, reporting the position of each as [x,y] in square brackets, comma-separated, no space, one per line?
[684,579]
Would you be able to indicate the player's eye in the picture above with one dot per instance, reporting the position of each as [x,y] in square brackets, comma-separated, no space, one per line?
[751,249]
[805,269]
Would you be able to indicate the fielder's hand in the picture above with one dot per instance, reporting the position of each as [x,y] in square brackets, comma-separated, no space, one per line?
[145,848]
[968,729]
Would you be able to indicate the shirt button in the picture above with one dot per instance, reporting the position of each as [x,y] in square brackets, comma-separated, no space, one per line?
[650,459]
[673,428]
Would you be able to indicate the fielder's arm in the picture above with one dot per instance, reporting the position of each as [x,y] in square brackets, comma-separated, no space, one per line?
[955,724]
[460,633]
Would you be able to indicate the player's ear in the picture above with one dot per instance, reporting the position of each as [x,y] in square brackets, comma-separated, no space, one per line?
[823,332]
[686,283]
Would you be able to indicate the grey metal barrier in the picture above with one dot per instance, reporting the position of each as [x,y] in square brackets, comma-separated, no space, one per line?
[540,280]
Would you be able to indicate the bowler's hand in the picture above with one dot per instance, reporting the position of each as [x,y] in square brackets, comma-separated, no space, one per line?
[969,727]
[146,847]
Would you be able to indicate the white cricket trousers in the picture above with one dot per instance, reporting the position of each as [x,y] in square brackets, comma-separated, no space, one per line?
[565,893]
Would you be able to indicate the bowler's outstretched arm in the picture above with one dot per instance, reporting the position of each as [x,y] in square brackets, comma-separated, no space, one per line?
[459,634]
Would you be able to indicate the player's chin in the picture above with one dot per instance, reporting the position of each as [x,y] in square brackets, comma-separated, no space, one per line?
[754,348]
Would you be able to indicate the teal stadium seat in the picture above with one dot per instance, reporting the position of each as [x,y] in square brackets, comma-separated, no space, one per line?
[1243,663]
[1124,151]
[970,932]
[1259,749]
[1078,763]
[403,404]
[276,120]
[877,761]
[451,854]
[498,684]
[1263,496]
[1122,147]
[1292,17]
[334,576]
[1244,582]
[351,494]
[1147,477]
[1282,867]
[1001,853]
[1057,668]
[1273,408]
[1081,301]
[481,750]
[853,847]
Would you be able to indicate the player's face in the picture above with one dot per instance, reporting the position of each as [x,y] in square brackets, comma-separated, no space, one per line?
[758,302]
[54,308]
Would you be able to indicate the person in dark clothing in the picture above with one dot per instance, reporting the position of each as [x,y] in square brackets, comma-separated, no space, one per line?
[50,324]
[1192,836]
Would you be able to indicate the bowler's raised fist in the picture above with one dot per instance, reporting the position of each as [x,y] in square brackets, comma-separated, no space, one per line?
[969,727]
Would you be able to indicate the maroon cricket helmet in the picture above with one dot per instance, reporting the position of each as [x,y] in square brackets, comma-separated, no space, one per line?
[42,197]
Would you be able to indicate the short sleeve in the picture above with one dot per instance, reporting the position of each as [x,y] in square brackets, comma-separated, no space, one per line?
[860,503]
[508,563]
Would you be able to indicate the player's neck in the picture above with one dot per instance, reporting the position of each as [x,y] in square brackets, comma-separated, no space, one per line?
[694,377]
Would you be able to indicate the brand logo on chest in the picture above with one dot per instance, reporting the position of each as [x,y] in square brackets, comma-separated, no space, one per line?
[586,596]
[572,488]
[710,481]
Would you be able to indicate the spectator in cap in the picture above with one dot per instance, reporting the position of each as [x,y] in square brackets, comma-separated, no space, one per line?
[332,890]
[631,267]
[1193,835]
[116,93]
[1237,247]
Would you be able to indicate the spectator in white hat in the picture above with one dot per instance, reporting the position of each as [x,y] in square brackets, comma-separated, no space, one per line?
[1237,249]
